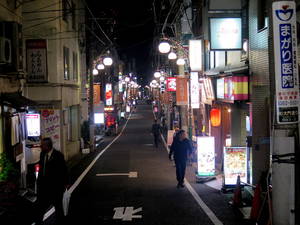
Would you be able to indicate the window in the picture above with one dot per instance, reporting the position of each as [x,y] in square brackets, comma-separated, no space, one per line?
[75,66]
[262,15]
[66,64]
[73,16]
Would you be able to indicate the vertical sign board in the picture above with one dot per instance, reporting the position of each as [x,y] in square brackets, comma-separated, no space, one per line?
[50,123]
[171,84]
[286,68]
[181,91]
[33,124]
[235,164]
[97,96]
[36,55]
[108,94]
[195,55]
[206,156]
[195,90]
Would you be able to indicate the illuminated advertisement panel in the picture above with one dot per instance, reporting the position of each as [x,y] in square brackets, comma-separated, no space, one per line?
[171,84]
[108,94]
[206,156]
[235,163]
[225,33]
[33,124]
[99,118]
[195,98]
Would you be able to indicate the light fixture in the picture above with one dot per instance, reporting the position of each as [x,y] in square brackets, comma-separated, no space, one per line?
[107,61]
[95,71]
[162,78]
[127,79]
[172,56]
[157,74]
[180,62]
[100,66]
[164,47]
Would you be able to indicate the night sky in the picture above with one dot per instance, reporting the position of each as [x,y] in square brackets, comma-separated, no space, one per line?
[133,29]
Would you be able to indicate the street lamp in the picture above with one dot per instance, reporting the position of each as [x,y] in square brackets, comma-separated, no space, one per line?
[180,62]
[100,66]
[164,47]
[157,74]
[95,72]
[107,61]
[172,56]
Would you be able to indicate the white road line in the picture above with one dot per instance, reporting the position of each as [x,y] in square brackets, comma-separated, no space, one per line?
[200,202]
[130,174]
[80,178]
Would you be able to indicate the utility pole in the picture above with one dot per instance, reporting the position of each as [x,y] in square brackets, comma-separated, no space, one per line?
[284,98]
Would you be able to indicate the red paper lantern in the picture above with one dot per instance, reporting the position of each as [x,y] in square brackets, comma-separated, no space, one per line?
[215,117]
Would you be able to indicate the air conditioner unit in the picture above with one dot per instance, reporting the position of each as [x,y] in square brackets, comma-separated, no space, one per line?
[5,50]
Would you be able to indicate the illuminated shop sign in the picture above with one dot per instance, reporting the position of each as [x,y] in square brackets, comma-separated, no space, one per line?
[226,33]
[195,90]
[195,55]
[206,156]
[33,124]
[99,118]
[108,94]
[235,164]
[286,66]
[171,84]
[233,88]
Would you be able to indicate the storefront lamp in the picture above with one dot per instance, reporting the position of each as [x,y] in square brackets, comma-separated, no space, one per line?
[172,56]
[180,62]
[127,79]
[107,61]
[164,47]
[100,66]
[157,74]
[162,78]
[215,117]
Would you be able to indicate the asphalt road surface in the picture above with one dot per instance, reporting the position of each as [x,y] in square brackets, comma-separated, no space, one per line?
[131,182]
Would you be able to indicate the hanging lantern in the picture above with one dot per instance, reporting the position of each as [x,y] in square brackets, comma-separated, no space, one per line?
[215,117]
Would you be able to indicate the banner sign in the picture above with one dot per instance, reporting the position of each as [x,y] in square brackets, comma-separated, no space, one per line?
[36,55]
[233,88]
[195,55]
[235,163]
[108,94]
[195,90]
[97,95]
[206,156]
[171,84]
[286,68]
[181,91]
[50,123]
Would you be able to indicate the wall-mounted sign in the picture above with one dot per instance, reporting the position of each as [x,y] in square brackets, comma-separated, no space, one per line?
[120,86]
[235,164]
[233,88]
[195,90]
[36,55]
[171,84]
[286,68]
[108,94]
[97,95]
[99,118]
[225,33]
[206,156]
[195,55]
[33,124]
[181,91]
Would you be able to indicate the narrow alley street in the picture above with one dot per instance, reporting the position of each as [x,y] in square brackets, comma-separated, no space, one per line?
[132,173]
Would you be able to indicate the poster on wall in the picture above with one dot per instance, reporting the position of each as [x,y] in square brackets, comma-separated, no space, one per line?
[108,94]
[206,156]
[50,123]
[33,124]
[235,163]
[286,67]
[36,55]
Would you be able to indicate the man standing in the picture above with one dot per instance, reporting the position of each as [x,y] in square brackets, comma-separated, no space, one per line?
[51,182]
[181,148]
[156,132]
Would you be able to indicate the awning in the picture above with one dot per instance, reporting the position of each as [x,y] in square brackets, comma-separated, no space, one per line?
[16,100]
[241,68]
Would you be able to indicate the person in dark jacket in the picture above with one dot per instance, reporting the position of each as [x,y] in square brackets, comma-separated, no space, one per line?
[51,182]
[156,132]
[182,149]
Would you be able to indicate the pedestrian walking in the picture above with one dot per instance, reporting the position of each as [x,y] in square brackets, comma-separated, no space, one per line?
[51,182]
[156,132]
[182,149]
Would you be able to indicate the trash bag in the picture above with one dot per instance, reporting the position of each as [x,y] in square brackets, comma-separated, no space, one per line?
[66,201]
